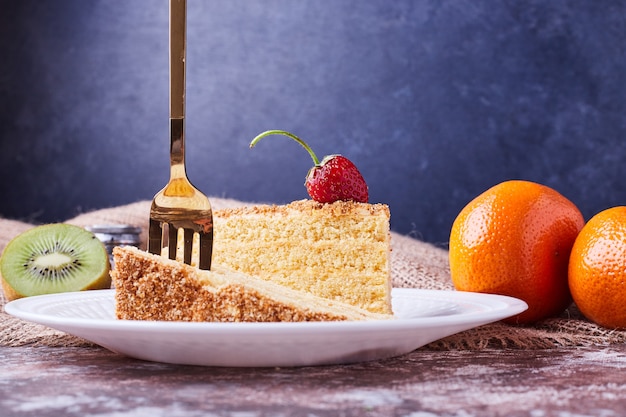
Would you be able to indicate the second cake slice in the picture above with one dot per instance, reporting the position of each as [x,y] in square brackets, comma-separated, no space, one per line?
[151,287]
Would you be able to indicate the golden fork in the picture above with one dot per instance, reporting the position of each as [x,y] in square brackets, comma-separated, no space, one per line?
[180,206]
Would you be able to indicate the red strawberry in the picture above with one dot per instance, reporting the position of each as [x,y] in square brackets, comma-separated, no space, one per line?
[335,178]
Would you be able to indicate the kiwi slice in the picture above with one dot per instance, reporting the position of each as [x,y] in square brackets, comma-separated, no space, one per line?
[54,258]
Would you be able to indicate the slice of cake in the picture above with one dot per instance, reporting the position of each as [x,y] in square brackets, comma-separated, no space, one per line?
[151,287]
[339,251]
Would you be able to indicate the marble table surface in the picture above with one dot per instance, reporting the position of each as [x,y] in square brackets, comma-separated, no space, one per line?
[92,381]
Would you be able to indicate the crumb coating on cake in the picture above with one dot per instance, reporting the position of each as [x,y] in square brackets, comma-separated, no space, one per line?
[310,207]
[150,287]
[338,251]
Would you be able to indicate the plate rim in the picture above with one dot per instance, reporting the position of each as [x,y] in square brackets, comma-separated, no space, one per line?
[16,308]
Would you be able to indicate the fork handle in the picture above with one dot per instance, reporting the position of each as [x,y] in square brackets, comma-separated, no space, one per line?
[178,24]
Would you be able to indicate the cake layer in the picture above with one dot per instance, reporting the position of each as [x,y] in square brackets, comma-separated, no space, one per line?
[151,287]
[338,251]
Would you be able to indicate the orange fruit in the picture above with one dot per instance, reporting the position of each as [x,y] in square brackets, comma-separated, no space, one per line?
[597,269]
[515,239]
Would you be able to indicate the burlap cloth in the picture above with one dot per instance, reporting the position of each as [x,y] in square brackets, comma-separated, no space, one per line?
[415,264]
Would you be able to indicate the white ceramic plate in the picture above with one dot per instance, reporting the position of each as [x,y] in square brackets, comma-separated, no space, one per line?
[422,316]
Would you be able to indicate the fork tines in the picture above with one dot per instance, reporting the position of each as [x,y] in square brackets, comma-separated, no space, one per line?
[188,240]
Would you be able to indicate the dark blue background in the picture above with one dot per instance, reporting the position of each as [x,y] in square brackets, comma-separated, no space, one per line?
[435,101]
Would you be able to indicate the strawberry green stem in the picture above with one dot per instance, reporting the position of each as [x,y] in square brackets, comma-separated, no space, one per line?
[292,136]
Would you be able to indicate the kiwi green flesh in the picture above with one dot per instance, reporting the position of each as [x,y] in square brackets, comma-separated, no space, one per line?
[55,258]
